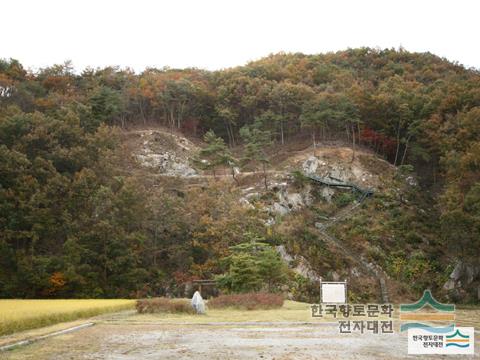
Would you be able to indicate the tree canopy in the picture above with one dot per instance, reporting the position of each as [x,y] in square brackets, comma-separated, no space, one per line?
[72,224]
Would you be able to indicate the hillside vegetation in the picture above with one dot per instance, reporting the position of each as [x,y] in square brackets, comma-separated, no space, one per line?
[116,184]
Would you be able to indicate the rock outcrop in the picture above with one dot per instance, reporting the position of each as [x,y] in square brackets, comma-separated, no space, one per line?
[167,154]
[302,266]
[462,278]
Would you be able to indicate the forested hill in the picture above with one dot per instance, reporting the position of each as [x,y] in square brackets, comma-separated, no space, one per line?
[73,222]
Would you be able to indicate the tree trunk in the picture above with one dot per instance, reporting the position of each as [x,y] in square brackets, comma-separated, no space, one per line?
[228,134]
[405,150]
[398,144]
[105,261]
[281,131]
[265,176]
[181,111]
[358,132]
[155,247]
[232,133]
[233,176]
[172,119]
[142,111]
[353,142]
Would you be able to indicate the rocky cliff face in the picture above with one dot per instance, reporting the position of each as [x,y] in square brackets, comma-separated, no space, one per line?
[299,264]
[365,170]
[464,281]
[290,204]
[164,153]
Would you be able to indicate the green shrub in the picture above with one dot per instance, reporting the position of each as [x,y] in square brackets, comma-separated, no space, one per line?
[375,253]
[303,289]
[299,180]
[343,199]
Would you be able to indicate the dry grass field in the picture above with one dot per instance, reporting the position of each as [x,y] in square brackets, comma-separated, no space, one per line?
[288,332]
[17,315]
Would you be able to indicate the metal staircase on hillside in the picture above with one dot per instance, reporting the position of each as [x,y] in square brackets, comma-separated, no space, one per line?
[334,182]
[364,193]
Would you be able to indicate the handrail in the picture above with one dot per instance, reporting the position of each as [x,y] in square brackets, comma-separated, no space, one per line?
[339,183]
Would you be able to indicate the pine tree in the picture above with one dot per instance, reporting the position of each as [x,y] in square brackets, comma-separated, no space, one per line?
[253,266]
[256,142]
[215,154]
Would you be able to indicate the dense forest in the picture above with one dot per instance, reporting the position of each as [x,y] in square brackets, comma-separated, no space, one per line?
[72,224]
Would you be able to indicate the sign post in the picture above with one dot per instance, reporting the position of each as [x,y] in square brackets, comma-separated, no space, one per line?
[333,292]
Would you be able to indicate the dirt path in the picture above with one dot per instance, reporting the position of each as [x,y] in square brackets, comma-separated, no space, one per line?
[286,341]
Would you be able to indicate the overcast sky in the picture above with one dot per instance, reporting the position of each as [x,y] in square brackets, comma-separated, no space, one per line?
[217,34]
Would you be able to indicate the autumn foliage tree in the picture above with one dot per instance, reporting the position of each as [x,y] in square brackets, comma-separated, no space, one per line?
[66,207]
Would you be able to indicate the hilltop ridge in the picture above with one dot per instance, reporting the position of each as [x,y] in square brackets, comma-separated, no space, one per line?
[80,216]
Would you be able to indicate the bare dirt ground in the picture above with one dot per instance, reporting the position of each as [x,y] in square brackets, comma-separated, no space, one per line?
[211,342]
[164,341]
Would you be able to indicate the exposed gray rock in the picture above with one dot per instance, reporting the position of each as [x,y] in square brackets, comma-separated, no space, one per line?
[166,153]
[410,180]
[354,272]
[457,272]
[252,195]
[289,201]
[303,268]
[310,165]
[166,163]
[244,201]
[319,225]
[284,254]
[339,172]
[246,190]
[327,193]
[449,285]
[270,222]
[471,273]
[293,201]
[462,275]
[279,186]
[279,209]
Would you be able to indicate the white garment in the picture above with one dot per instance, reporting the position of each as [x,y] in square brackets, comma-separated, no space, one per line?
[197,303]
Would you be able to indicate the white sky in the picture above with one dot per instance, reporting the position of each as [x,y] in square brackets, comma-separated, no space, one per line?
[216,34]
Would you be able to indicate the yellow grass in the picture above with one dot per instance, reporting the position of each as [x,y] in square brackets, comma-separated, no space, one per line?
[17,315]
[290,311]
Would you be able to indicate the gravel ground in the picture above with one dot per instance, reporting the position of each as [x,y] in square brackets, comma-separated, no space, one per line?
[285,341]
